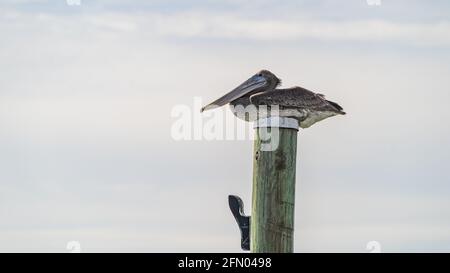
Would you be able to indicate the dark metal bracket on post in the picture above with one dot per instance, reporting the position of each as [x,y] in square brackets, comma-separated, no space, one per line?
[237,208]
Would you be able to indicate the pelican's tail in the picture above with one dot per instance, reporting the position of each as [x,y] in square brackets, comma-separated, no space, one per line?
[337,106]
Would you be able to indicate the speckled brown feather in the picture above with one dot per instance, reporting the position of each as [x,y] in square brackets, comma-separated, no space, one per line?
[296,97]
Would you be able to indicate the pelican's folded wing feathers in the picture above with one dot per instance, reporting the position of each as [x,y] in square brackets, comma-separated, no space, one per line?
[296,97]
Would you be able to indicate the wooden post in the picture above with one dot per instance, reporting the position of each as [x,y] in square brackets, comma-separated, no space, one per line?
[273,194]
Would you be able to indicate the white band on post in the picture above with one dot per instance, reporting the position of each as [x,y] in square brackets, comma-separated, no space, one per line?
[276,122]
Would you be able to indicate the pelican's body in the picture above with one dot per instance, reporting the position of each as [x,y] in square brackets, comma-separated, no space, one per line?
[258,97]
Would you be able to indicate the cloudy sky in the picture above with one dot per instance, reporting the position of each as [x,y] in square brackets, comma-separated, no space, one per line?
[87,94]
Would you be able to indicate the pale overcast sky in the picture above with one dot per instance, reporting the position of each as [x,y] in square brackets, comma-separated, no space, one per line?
[86,94]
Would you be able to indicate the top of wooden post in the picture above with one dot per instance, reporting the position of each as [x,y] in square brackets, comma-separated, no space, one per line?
[277,122]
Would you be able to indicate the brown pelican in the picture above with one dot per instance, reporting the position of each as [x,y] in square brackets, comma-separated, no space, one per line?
[296,102]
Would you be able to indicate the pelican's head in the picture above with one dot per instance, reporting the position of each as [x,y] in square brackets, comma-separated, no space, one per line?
[272,81]
[264,80]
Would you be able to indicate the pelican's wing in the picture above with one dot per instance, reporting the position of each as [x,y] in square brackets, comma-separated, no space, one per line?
[296,97]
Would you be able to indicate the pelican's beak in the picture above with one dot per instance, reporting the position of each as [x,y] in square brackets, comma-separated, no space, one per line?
[248,86]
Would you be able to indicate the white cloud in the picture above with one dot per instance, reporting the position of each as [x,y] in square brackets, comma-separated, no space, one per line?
[236,26]
[228,26]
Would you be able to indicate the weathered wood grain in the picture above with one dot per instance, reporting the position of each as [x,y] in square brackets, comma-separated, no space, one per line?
[273,196]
